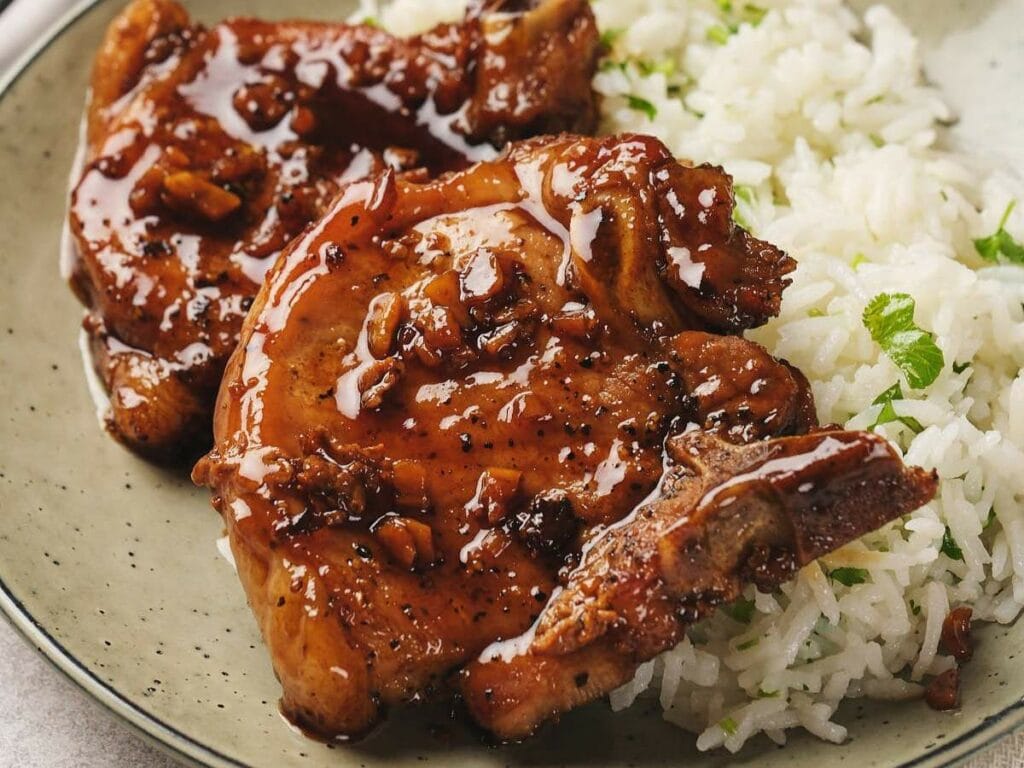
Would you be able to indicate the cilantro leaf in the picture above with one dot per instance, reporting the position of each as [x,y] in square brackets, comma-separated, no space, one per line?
[849,576]
[742,610]
[888,413]
[763,694]
[667,67]
[744,195]
[889,317]
[949,546]
[728,725]
[719,33]
[609,36]
[754,13]
[642,105]
[1001,243]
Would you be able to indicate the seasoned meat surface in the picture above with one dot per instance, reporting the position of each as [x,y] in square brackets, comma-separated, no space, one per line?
[487,422]
[207,150]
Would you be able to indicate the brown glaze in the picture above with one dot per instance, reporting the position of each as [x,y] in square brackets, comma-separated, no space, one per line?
[943,692]
[456,401]
[956,634]
[207,150]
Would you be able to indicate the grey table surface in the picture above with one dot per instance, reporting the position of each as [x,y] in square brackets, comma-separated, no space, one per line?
[45,720]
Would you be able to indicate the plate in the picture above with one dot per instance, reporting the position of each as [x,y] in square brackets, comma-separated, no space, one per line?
[108,565]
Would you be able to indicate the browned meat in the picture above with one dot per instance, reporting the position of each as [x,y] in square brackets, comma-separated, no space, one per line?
[447,390]
[725,516]
[209,149]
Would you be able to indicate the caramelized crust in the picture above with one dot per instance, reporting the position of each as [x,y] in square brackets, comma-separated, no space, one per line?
[487,408]
[207,150]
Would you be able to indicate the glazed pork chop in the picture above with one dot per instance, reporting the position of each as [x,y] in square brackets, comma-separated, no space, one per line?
[503,422]
[207,150]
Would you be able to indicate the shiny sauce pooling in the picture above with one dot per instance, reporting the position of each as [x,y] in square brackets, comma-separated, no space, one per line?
[453,379]
[215,165]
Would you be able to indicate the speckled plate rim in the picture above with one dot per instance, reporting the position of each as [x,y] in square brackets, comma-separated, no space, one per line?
[183,747]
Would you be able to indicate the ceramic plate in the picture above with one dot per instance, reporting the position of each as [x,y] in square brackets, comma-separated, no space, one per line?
[109,566]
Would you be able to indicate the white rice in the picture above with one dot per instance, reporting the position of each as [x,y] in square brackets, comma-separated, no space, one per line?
[825,119]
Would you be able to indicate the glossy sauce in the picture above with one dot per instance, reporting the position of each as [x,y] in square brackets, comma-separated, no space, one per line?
[450,328]
[233,140]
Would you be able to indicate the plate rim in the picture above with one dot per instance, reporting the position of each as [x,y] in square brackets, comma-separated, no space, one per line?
[184,747]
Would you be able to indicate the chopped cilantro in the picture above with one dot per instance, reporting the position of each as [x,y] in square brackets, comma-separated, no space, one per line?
[888,413]
[889,317]
[754,13]
[763,694]
[370,21]
[719,33]
[949,546]
[609,36]
[815,312]
[642,105]
[666,67]
[744,193]
[960,367]
[1001,243]
[728,725]
[849,576]
[877,140]
[990,519]
[725,6]
[742,610]
[858,259]
[915,608]
[609,64]
[747,644]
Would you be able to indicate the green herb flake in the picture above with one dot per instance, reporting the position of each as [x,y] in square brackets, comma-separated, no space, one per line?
[1001,243]
[725,6]
[849,576]
[744,193]
[888,413]
[609,64]
[858,259]
[728,725]
[815,312]
[666,67]
[990,519]
[889,318]
[746,645]
[370,21]
[763,694]
[877,140]
[719,33]
[949,546]
[642,105]
[960,367]
[609,36]
[754,14]
[741,610]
